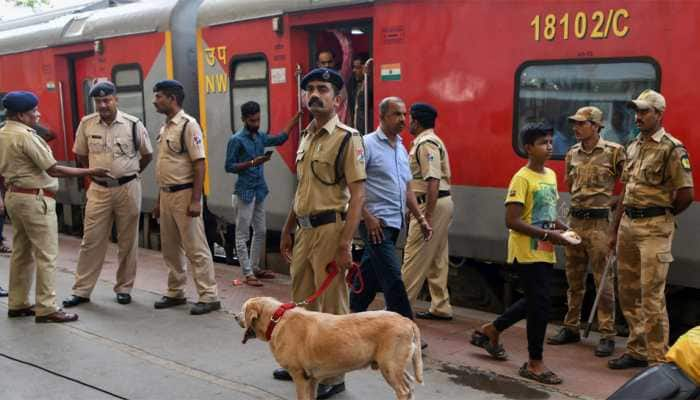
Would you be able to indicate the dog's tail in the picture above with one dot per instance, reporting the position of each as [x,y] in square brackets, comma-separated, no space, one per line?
[417,355]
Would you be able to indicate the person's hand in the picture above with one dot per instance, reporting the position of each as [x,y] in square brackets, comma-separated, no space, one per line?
[286,243]
[429,219]
[195,209]
[343,257]
[555,237]
[156,211]
[374,229]
[99,172]
[261,160]
[426,229]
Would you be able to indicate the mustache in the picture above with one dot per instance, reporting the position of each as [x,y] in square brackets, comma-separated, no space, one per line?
[315,101]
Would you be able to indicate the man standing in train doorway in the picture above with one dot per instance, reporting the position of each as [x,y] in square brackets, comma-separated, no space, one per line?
[180,171]
[593,166]
[430,168]
[112,139]
[30,170]
[327,205]
[658,186]
[245,156]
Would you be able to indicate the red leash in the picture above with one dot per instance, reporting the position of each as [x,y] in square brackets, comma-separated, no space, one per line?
[332,269]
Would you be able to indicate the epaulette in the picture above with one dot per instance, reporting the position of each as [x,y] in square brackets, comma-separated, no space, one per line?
[672,140]
[344,127]
[90,116]
[130,117]
[613,145]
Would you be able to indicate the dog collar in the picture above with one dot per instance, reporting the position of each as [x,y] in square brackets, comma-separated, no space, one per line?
[279,312]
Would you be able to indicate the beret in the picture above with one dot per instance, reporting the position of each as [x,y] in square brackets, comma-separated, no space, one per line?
[324,75]
[102,89]
[423,112]
[20,101]
[168,84]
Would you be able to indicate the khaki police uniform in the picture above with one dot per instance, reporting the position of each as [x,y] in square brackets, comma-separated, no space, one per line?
[591,177]
[321,192]
[111,146]
[182,237]
[429,260]
[656,167]
[24,159]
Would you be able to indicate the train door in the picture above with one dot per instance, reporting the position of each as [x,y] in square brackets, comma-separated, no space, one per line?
[347,48]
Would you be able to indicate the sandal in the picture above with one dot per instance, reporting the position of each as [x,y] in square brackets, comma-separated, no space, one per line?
[547,377]
[5,250]
[251,280]
[479,339]
[264,274]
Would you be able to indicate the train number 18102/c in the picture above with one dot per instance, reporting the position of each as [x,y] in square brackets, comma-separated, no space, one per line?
[580,25]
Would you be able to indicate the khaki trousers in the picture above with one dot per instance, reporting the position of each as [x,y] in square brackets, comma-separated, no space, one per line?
[593,250]
[106,206]
[182,239]
[643,258]
[35,242]
[429,260]
[314,249]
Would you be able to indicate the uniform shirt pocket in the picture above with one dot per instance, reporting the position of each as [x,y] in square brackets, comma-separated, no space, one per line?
[124,148]
[323,167]
[653,174]
[96,143]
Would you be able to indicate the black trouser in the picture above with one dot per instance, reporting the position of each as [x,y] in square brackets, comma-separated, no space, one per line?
[381,269]
[535,279]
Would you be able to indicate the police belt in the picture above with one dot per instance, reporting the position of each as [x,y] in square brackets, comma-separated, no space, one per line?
[176,188]
[43,192]
[316,220]
[589,213]
[648,212]
[423,198]
[111,182]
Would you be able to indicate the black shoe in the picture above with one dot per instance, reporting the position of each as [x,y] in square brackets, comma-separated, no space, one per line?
[74,301]
[204,308]
[429,315]
[281,374]
[167,302]
[423,344]
[564,336]
[328,391]
[626,362]
[20,312]
[605,348]
[123,298]
[3,292]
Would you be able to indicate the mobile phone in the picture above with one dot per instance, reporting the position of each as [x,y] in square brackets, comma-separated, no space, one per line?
[268,153]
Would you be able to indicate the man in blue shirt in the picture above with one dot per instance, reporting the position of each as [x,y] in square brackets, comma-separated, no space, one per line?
[245,156]
[386,197]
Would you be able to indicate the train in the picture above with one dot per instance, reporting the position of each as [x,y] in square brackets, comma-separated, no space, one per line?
[488,66]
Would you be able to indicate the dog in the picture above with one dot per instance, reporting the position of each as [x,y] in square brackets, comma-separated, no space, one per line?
[313,346]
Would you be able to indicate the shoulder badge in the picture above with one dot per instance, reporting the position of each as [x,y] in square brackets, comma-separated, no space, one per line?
[685,162]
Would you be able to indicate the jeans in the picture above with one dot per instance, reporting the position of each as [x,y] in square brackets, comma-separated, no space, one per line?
[381,269]
[2,224]
[535,279]
[247,214]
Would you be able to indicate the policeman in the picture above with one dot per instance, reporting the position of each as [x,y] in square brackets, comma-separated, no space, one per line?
[30,172]
[430,167]
[327,205]
[112,139]
[593,165]
[658,186]
[180,170]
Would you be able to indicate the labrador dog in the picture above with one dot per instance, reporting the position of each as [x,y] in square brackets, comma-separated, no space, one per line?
[313,346]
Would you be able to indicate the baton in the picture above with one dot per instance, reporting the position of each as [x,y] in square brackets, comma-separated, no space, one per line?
[366,95]
[297,72]
[601,286]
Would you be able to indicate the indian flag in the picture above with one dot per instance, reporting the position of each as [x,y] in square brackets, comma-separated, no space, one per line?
[391,72]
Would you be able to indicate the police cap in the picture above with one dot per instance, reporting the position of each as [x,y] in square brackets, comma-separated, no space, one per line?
[168,84]
[324,75]
[424,113]
[102,89]
[20,101]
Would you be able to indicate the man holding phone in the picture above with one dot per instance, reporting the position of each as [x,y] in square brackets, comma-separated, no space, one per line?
[245,156]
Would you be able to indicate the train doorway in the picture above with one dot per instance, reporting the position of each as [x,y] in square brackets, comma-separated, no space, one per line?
[347,48]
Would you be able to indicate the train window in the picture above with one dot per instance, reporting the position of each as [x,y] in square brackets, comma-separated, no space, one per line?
[128,79]
[249,83]
[552,91]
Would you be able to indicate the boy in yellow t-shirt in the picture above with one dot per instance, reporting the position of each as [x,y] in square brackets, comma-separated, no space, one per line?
[531,217]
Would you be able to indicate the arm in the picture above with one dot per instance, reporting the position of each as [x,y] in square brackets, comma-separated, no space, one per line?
[352,220]
[144,161]
[374,226]
[431,198]
[412,204]
[514,221]
[615,222]
[286,241]
[200,168]
[59,171]
[682,200]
